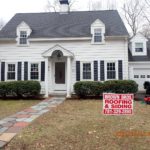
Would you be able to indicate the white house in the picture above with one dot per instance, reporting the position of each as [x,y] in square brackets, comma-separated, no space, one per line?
[139,60]
[59,49]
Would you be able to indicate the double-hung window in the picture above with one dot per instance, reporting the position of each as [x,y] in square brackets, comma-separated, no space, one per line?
[87,71]
[97,35]
[138,47]
[111,70]
[11,72]
[34,71]
[23,38]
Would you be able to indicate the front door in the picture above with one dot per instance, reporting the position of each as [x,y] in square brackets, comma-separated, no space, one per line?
[60,76]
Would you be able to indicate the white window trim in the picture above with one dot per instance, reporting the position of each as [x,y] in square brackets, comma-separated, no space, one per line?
[18,39]
[134,53]
[6,70]
[29,70]
[102,34]
[116,68]
[92,73]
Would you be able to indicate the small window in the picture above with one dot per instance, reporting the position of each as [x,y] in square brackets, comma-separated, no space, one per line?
[23,37]
[148,76]
[34,73]
[97,35]
[142,76]
[138,47]
[86,71]
[11,72]
[136,76]
[111,71]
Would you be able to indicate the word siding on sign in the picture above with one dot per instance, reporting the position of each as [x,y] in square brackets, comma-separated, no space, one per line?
[117,104]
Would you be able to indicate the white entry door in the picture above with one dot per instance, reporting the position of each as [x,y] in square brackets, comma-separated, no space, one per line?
[141,75]
[60,76]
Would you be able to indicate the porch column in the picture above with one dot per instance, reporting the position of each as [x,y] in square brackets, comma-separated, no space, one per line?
[46,77]
[68,77]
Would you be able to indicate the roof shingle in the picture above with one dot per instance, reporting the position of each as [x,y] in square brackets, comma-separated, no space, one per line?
[73,24]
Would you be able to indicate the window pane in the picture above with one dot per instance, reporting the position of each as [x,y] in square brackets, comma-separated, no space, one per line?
[23,37]
[34,73]
[86,71]
[97,35]
[139,47]
[11,72]
[136,76]
[97,38]
[111,72]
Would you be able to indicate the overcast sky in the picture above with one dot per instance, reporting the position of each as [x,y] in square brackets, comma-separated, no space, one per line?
[10,7]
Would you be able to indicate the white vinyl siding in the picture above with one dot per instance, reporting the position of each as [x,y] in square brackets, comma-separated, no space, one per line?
[83,51]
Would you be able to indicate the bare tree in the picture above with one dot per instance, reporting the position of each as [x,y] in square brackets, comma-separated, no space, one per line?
[146,30]
[133,13]
[147,14]
[54,5]
[96,5]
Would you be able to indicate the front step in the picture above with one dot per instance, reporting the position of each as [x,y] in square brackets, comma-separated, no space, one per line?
[58,93]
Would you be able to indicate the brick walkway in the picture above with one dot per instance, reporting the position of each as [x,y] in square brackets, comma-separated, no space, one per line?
[12,125]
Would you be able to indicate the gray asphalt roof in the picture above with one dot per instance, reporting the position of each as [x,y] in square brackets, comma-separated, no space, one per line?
[73,24]
[141,58]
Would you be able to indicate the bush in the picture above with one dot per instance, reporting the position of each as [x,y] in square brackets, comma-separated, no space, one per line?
[20,89]
[92,88]
[88,88]
[120,86]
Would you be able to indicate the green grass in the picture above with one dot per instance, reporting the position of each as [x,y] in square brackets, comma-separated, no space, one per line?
[9,107]
[80,125]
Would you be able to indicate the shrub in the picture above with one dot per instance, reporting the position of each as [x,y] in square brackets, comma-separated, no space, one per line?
[92,88]
[20,88]
[88,88]
[120,86]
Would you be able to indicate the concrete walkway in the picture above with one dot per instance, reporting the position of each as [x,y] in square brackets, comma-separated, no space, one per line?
[12,125]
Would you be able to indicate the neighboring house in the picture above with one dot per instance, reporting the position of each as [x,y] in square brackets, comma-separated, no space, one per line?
[139,60]
[59,49]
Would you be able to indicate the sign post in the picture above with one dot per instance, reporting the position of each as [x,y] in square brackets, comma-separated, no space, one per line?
[117,104]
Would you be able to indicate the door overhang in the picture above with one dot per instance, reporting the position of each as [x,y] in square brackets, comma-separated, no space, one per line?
[50,52]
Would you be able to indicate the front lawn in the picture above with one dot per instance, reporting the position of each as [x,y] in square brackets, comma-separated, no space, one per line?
[80,125]
[10,107]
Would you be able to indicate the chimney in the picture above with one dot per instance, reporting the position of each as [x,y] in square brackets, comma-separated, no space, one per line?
[64,6]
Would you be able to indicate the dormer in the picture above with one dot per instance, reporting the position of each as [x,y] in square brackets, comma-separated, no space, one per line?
[98,32]
[138,45]
[23,31]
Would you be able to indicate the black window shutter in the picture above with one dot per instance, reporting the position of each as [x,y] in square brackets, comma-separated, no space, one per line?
[25,70]
[77,70]
[19,70]
[95,70]
[3,71]
[120,70]
[43,71]
[102,71]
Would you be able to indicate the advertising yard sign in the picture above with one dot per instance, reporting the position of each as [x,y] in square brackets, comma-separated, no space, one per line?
[117,104]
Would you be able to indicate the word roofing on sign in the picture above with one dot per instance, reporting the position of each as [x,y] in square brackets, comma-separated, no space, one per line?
[117,104]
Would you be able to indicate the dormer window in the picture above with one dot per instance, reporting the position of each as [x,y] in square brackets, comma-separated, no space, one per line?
[97,35]
[138,47]
[23,31]
[98,32]
[23,38]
